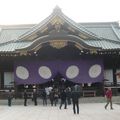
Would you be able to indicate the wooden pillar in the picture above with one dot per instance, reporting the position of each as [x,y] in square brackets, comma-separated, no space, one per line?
[2,80]
[114,77]
[115,90]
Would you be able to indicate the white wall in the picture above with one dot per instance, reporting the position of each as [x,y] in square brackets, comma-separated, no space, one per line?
[118,77]
[108,75]
[8,78]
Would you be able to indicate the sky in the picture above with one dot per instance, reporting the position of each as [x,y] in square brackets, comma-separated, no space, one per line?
[34,11]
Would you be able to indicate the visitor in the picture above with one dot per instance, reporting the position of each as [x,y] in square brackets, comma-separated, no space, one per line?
[25,98]
[75,100]
[63,99]
[56,96]
[35,97]
[44,97]
[10,96]
[108,95]
[68,93]
[51,97]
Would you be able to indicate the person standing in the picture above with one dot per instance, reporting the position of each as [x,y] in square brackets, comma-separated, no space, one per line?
[44,97]
[51,97]
[63,99]
[35,97]
[68,93]
[75,100]
[10,97]
[108,95]
[25,98]
[56,96]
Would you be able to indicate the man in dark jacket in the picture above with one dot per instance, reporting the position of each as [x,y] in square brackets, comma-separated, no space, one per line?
[63,99]
[25,98]
[44,97]
[35,97]
[51,97]
[75,99]
[10,96]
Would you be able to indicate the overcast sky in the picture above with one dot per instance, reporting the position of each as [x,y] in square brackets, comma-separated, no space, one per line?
[34,11]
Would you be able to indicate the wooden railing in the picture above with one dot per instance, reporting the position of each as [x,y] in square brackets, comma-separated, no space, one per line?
[89,93]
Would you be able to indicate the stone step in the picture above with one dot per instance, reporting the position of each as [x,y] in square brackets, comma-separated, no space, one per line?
[115,99]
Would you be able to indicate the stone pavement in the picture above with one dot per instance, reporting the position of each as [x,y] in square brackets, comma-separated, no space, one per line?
[88,111]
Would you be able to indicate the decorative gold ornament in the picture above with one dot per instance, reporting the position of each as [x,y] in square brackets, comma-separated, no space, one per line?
[44,30]
[58,44]
[37,47]
[71,29]
[56,20]
[32,37]
[57,27]
[93,51]
[83,36]
[78,46]
[23,53]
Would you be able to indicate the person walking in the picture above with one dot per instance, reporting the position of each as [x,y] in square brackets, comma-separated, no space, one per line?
[63,99]
[51,97]
[68,93]
[75,100]
[56,96]
[10,96]
[35,97]
[44,97]
[108,95]
[25,98]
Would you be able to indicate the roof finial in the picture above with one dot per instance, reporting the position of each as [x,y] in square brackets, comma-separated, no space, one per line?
[57,9]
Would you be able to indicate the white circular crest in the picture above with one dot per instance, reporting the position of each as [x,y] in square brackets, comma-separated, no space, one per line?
[72,71]
[22,72]
[44,72]
[94,71]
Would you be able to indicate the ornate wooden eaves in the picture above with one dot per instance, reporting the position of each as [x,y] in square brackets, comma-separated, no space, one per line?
[58,44]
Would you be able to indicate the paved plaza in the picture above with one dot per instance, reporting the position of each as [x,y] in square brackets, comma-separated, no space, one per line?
[88,111]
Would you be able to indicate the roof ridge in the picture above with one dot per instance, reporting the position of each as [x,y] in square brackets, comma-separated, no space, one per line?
[115,32]
[57,12]
[105,39]
[99,24]
[76,25]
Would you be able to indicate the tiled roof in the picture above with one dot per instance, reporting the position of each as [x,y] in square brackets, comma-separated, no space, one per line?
[108,30]
[104,44]
[105,35]
[9,33]
[12,46]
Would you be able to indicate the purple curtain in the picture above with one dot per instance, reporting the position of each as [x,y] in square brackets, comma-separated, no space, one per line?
[78,71]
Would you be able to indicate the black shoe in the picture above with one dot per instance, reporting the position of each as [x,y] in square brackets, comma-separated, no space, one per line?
[111,108]
[105,107]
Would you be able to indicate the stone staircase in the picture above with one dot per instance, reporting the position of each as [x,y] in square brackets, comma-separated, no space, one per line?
[116,99]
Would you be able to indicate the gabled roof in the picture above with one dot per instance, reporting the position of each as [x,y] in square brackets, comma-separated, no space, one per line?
[58,17]
[101,35]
